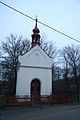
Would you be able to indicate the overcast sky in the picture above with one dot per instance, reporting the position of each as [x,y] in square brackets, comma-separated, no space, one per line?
[63,15]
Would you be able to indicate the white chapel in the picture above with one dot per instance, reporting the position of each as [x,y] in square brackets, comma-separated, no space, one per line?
[34,75]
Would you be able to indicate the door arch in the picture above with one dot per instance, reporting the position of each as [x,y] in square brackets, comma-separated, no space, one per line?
[35,89]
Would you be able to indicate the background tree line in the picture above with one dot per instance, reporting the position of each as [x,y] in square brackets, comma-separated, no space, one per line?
[65,68]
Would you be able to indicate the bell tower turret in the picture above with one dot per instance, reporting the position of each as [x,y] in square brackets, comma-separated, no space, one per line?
[35,35]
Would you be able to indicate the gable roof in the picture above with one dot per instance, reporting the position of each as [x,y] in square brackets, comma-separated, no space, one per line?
[28,58]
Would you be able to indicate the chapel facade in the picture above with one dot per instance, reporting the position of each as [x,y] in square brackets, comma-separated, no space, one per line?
[34,75]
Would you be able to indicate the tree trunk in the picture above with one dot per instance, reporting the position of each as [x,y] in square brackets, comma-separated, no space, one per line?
[76,83]
[15,81]
[77,90]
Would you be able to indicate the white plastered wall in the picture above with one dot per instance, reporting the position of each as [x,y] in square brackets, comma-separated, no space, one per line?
[26,75]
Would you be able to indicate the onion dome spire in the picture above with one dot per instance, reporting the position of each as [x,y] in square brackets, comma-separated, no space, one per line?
[35,35]
[36,30]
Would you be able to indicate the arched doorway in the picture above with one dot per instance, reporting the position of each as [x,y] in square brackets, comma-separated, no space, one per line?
[35,90]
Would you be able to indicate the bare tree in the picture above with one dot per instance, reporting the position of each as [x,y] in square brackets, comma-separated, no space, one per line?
[71,55]
[48,47]
[10,51]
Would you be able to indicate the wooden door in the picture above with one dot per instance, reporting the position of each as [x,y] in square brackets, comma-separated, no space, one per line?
[35,90]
